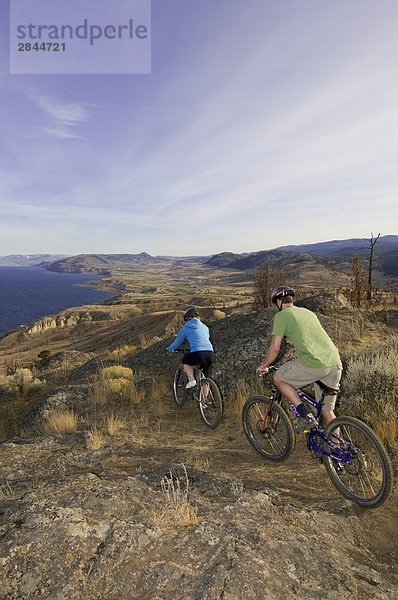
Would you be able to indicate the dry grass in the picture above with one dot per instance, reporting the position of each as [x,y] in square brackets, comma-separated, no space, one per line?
[4,431]
[61,422]
[121,351]
[117,372]
[240,394]
[6,492]
[21,381]
[145,341]
[115,384]
[115,424]
[96,438]
[198,460]
[370,389]
[159,397]
[178,511]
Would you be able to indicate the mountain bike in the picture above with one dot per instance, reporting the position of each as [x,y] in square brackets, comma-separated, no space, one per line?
[206,394]
[354,457]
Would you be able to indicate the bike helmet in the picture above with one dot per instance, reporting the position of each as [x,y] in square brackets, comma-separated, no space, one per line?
[281,292]
[190,313]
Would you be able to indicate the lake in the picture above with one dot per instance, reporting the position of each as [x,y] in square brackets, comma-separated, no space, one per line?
[29,293]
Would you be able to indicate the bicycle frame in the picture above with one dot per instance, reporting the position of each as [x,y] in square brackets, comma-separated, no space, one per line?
[315,437]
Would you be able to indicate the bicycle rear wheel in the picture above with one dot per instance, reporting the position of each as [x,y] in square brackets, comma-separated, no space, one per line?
[272,434]
[211,406]
[179,382]
[362,472]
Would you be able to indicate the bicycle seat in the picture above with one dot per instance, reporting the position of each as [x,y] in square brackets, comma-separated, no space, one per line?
[328,391]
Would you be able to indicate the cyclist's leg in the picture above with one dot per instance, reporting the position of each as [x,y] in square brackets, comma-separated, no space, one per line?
[291,376]
[332,380]
[188,362]
[205,363]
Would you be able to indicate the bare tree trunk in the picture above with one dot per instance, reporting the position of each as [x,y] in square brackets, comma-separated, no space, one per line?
[373,241]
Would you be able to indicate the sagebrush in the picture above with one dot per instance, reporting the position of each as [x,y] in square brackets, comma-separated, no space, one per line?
[369,389]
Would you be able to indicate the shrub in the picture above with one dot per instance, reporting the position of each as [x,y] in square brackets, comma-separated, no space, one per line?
[219,314]
[370,389]
[43,358]
[22,381]
[115,384]
[117,372]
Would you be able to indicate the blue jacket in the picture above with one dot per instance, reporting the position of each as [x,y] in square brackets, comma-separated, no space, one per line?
[196,333]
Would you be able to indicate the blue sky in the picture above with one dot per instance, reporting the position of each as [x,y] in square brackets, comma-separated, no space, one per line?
[263,123]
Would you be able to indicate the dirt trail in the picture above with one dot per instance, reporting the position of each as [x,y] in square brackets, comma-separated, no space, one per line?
[71,517]
[301,481]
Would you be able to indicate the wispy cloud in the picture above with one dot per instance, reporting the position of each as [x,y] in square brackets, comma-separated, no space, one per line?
[63,118]
[281,128]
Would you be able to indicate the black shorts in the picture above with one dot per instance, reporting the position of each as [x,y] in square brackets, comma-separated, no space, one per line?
[202,359]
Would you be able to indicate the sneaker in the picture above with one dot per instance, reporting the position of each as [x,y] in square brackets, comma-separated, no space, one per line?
[190,384]
[304,424]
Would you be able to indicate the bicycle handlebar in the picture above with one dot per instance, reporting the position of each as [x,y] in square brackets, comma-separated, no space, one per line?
[271,369]
[183,350]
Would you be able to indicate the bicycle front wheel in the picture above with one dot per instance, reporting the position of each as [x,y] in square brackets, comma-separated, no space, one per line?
[179,382]
[360,467]
[268,430]
[211,406]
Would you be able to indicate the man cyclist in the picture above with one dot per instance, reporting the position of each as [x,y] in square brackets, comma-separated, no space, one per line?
[318,358]
[200,348]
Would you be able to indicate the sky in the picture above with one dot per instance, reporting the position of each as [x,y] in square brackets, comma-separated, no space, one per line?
[262,123]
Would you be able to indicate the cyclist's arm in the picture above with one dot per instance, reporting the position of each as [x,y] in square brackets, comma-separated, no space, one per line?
[271,354]
[178,341]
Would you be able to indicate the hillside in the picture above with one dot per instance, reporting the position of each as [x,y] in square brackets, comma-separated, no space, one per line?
[302,269]
[346,248]
[101,263]
[164,509]
[33,260]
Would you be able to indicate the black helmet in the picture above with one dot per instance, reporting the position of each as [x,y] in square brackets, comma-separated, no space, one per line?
[281,292]
[191,312]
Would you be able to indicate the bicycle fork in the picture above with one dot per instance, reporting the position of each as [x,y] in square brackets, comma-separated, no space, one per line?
[264,424]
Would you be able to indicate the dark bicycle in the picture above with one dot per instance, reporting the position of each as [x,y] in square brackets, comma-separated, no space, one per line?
[206,394]
[354,457]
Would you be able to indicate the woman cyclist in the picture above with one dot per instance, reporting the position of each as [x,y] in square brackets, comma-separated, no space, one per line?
[201,352]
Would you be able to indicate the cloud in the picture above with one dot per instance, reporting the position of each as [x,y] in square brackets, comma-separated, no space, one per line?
[64,118]
[61,132]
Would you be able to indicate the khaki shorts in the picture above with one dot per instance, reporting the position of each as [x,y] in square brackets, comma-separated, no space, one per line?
[298,376]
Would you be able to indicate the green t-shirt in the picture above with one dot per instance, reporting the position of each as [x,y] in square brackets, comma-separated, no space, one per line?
[301,327]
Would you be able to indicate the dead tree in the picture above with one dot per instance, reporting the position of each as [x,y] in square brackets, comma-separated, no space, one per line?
[265,279]
[373,241]
[358,280]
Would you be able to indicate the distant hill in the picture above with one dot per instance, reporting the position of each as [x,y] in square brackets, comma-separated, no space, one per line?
[321,259]
[276,257]
[388,263]
[28,260]
[102,263]
[346,248]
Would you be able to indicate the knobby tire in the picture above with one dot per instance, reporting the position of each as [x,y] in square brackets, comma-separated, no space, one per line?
[367,478]
[276,441]
[211,406]
[179,382]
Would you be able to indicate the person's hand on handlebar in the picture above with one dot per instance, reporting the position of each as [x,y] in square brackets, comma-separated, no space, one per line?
[262,370]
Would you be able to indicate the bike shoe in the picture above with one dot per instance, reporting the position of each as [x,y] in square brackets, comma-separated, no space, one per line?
[190,384]
[304,424]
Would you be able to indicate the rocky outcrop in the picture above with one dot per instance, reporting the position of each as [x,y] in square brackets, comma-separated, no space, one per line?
[87,524]
[68,319]
[326,303]
[69,397]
